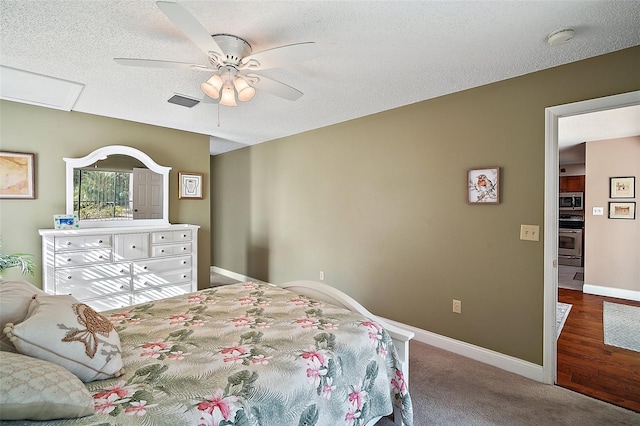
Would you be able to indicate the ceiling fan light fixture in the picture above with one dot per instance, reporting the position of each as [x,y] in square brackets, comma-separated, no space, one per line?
[228,97]
[245,91]
[212,86]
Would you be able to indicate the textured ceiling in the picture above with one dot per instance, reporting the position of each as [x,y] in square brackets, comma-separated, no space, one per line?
[375,55]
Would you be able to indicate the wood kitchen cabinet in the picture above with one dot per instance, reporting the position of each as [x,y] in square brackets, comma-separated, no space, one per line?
[571,183]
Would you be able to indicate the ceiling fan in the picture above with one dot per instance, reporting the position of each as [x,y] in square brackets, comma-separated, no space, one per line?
[230,60]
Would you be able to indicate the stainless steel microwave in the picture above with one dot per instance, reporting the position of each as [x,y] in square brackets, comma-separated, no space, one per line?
[571,201]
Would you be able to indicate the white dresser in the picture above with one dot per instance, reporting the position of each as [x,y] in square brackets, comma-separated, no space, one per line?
[109,268]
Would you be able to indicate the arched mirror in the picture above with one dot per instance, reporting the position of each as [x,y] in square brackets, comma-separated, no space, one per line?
[117,185]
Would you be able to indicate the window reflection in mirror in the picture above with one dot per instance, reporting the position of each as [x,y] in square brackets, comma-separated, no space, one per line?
[117,187]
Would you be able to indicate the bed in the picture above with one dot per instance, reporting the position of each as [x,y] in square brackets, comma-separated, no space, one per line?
[253,354]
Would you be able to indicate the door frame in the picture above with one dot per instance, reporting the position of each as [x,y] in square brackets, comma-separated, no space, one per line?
[552,115]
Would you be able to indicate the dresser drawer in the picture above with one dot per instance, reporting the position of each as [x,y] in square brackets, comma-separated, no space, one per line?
[111,302]
[85,242]
[84,290]
[131,246]
[161,293]
[159,266]
[146,281]
[79,258]
[93,272]
[170,236]
[170,249]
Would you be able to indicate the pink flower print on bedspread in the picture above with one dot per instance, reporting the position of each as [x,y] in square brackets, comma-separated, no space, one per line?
[217,408]
[375,337]
[320,368]
[398,385]
[113,399]
[163,350]
[187,320]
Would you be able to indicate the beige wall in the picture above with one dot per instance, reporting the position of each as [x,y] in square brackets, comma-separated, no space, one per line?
[53,134]
[378,204]
[612,246]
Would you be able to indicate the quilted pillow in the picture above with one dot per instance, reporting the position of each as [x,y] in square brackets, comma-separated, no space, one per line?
[15,298]
[34,389]
[66,332]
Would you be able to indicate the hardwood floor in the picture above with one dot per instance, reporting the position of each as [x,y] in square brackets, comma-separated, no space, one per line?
[586,364]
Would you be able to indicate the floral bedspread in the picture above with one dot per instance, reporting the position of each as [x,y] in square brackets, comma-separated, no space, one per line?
[248,354]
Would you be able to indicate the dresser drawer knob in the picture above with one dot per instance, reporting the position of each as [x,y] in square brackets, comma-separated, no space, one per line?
[68,243]
[133,247]
[162,237]
[184,248]
[69,260]
[69,277]
[184,235]
[122,287]
[101,257]
[122,271]
[184,262]
[99,241]
[162,251]
[184,276]
[145,268]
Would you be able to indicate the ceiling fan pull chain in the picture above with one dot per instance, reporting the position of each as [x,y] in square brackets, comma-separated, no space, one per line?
[218,104]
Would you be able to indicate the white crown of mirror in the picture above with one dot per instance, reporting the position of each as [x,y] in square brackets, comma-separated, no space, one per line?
[101,154]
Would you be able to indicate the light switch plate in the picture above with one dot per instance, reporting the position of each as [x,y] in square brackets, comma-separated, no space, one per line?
[598,211]
[530,232]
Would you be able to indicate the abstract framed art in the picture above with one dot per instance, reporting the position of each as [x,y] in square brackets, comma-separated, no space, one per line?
[626,210]
[190,185]
[17,175]
[622,187]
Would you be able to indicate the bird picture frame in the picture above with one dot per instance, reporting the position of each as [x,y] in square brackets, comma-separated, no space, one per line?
[483,185]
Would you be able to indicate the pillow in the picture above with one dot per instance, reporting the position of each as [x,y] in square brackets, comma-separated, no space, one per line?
[15,298]
[34,389]
[66,332]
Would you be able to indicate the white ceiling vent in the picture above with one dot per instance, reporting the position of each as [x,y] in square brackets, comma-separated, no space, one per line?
[184,101]
[37,89]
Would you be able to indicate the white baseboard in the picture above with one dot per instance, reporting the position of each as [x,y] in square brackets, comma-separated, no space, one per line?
[234,275]
[611,292]
[486,356]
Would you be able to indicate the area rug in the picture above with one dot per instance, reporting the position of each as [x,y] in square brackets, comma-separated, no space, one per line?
[621,325]
[562,313]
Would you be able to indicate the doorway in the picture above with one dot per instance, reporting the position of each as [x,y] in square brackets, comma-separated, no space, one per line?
[551,218]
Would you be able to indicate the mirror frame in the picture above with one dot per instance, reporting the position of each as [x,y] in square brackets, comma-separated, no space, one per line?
[105,151]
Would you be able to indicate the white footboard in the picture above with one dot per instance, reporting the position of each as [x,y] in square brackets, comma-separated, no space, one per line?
[328,294]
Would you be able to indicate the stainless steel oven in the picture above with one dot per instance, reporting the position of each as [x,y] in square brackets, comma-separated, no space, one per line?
[570,247]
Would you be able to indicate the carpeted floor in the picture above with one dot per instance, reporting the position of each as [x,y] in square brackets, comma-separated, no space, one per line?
[448,389]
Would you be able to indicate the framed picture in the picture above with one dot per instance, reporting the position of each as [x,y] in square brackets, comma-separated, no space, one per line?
[18,177]
[626,210]
[65,221]
[622,187]
[483,186]
[190,185]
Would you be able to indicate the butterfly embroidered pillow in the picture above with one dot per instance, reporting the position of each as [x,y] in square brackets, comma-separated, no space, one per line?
[62,330]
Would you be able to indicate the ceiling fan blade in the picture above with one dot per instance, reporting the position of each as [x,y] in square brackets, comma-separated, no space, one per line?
[274,87]
[281,56]
[190,26]
[152,63]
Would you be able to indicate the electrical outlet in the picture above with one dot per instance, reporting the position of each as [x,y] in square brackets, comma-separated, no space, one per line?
[530,232]
[321,275]
[457,306]
[598,211]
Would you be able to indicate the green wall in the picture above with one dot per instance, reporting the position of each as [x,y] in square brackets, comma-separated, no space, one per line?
[53,134]
[378,204]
